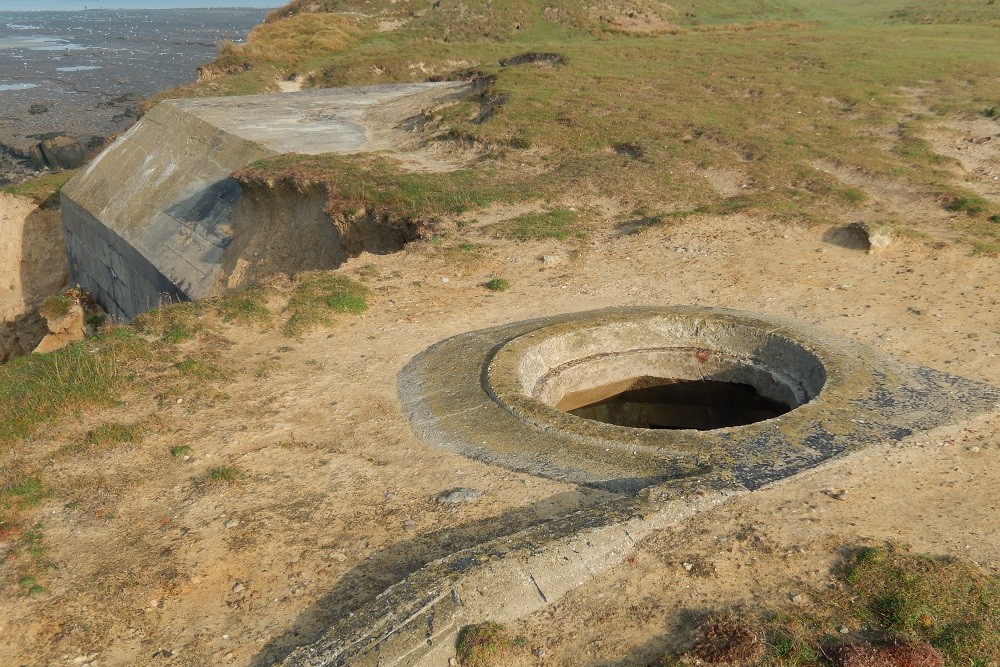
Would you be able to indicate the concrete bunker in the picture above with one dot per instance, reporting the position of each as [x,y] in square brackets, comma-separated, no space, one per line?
[158,216]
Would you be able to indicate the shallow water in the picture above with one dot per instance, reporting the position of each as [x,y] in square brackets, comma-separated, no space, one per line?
[84,68]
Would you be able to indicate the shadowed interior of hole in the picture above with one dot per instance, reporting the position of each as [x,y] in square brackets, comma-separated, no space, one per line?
[665,403]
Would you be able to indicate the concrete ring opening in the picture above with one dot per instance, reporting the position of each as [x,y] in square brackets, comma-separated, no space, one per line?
[660,372]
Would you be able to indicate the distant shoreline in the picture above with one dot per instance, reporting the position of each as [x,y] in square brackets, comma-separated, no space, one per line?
[33,7]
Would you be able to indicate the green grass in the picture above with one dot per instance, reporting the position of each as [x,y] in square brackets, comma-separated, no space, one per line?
[43,189]
[486,645]
[114,433]
[891,601]
[180,451]
[55,306]
[245,306]
[35,389]
[497,284]
[318,297]
[559,223]
[225,475]
[768,87]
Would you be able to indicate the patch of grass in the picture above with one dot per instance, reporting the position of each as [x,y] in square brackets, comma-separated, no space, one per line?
[43,189]
[560,223]
[967,203]
[175,334]
[497,284]
[225,475]
[35,389]
[55,306]
[900,608]
[486,645]
[245,306]
[180,451]
[22,492]
[114,433]
[318,296]
[30,587]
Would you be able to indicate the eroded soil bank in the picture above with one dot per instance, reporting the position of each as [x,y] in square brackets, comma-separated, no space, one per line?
[32,267]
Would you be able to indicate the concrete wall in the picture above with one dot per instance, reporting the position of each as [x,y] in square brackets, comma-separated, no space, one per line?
[151,217]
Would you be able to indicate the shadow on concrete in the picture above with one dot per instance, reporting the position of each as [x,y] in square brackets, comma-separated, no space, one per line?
[381,570]
[846,237]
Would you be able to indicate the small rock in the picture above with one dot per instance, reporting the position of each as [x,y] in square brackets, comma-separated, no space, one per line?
[409,524]
[844,629]
[444,279]
[877,235]
[232,523]
[915,311]
[551,260]
[973,449]
[796,598]
[390,496]
[836,494]
[688,566]
[458,496]
[539,652]
[452,661]
[238,587]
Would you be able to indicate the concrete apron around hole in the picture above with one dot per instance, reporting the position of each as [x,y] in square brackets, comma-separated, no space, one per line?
[498,395]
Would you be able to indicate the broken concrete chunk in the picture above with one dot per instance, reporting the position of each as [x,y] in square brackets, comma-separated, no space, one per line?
[878,235]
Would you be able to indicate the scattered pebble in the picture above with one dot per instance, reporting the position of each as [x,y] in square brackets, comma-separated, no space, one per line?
[238,587]
[539,652]
[458,496]
[836,494]
[408,524]
[390,496]
[973,449]
[688,566]
[844,629]
[232,523]
[796,598]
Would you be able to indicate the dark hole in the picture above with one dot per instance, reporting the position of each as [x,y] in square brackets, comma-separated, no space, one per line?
[650,402]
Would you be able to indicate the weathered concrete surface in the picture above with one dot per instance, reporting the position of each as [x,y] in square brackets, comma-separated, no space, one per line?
[151,217]
[484,394]
[481,394]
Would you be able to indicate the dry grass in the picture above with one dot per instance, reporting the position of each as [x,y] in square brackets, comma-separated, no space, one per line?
[292,42]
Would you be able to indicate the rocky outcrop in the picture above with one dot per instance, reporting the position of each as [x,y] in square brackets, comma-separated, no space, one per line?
[65,321]
[59,153]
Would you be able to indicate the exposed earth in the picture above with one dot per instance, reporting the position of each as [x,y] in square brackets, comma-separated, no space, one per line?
[150,563]
[233,484]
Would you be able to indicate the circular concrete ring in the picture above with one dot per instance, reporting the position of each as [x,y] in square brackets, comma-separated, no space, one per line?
[490,395]
[532,372]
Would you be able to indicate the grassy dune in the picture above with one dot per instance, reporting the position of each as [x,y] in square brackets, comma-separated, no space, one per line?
[649,95]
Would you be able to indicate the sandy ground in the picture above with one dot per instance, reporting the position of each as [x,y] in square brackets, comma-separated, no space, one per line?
[151,565]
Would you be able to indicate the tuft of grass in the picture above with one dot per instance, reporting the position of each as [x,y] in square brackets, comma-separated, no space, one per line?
[967,203]
[114,433]
[901,609]
[55,306]
[175,334]
[43,189]
[30,587]
[560,223]
[36,388]
[486,644]
[318,296]
[180,451]
[497,285]
[245,306]
[225,475]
